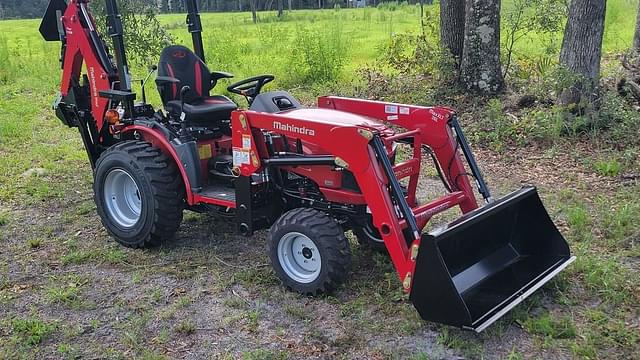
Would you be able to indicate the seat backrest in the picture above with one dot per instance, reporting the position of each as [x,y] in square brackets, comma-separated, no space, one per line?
[181,63]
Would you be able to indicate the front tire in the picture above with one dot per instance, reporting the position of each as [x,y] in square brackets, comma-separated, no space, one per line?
[139,194]
[309,251]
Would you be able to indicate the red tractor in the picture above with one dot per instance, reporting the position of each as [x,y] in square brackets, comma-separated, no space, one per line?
[306,174]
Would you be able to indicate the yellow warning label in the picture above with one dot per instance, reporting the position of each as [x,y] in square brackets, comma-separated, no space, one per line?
[204,151]
[254,160]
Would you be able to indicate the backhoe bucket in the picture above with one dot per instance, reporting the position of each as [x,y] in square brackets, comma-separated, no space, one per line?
[474,270]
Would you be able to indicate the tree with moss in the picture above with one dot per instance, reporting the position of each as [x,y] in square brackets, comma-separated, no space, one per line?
[480,69]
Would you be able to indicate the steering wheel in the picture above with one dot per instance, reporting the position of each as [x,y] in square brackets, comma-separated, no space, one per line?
[250,87]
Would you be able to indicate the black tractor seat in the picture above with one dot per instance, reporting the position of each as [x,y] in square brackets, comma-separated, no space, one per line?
[203,110]
[179,67]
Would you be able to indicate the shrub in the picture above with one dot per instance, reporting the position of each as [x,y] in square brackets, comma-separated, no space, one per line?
[412,68]
[144,35]
[390,5]
[617,115]
[419,54]
[318,56]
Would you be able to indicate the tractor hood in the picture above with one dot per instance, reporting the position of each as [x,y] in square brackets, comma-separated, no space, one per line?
[338,118]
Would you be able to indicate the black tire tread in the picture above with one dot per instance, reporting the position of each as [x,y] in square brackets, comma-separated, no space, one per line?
[166,186]
[326,233]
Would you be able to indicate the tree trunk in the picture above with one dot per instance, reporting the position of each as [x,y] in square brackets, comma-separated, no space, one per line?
[480,65]
[452,26]
[290,4]
[582,47]
[254,10]
[636,36]
[280,7]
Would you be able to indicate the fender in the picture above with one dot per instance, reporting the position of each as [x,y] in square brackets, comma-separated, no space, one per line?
[158,139]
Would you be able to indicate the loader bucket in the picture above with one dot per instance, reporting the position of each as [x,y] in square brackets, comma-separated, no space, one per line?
[474,270]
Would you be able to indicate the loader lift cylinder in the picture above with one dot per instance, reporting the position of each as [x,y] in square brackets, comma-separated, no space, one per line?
[395,189]
[483,189]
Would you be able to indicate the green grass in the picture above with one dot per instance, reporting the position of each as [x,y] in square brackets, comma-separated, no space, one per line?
[34,243]
[31,331]
[608,167]
[263,354]
[597,296]
[186,327]
[68,294]
[461,341]
[551,326]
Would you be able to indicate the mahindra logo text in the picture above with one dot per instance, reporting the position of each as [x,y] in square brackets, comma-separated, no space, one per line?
[302,130]
[94,87]
[402,172]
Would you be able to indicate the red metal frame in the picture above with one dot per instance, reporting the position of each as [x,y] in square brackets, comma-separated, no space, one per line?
[78,51]
[158,139]
[340,127]
[434,131]
[332,130]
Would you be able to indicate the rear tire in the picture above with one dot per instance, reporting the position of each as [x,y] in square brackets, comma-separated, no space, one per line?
[309,251]
[139,194]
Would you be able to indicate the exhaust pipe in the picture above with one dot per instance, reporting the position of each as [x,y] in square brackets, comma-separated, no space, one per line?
[474,270]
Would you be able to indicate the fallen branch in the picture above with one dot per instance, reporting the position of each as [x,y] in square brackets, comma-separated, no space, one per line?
[635,89]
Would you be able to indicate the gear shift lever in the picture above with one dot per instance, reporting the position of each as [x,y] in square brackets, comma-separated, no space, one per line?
[183,123]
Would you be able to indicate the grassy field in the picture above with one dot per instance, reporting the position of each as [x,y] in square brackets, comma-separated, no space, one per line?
[67,290]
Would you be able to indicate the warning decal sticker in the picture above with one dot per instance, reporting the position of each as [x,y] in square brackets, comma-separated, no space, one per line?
[390,109]
[240,156]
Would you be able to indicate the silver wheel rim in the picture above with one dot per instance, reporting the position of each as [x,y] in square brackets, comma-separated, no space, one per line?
[122,198]
[299,257]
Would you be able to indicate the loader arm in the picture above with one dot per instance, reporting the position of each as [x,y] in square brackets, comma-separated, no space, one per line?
[474,270]
[361,157]
[468,273]
[433,126]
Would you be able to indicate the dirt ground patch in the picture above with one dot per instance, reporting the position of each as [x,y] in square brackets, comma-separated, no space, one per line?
[211,293]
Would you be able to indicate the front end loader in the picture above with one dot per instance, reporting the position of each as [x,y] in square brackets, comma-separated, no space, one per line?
[305,174]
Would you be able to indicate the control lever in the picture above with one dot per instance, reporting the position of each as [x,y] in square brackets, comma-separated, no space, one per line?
[183,123]
[143,82]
